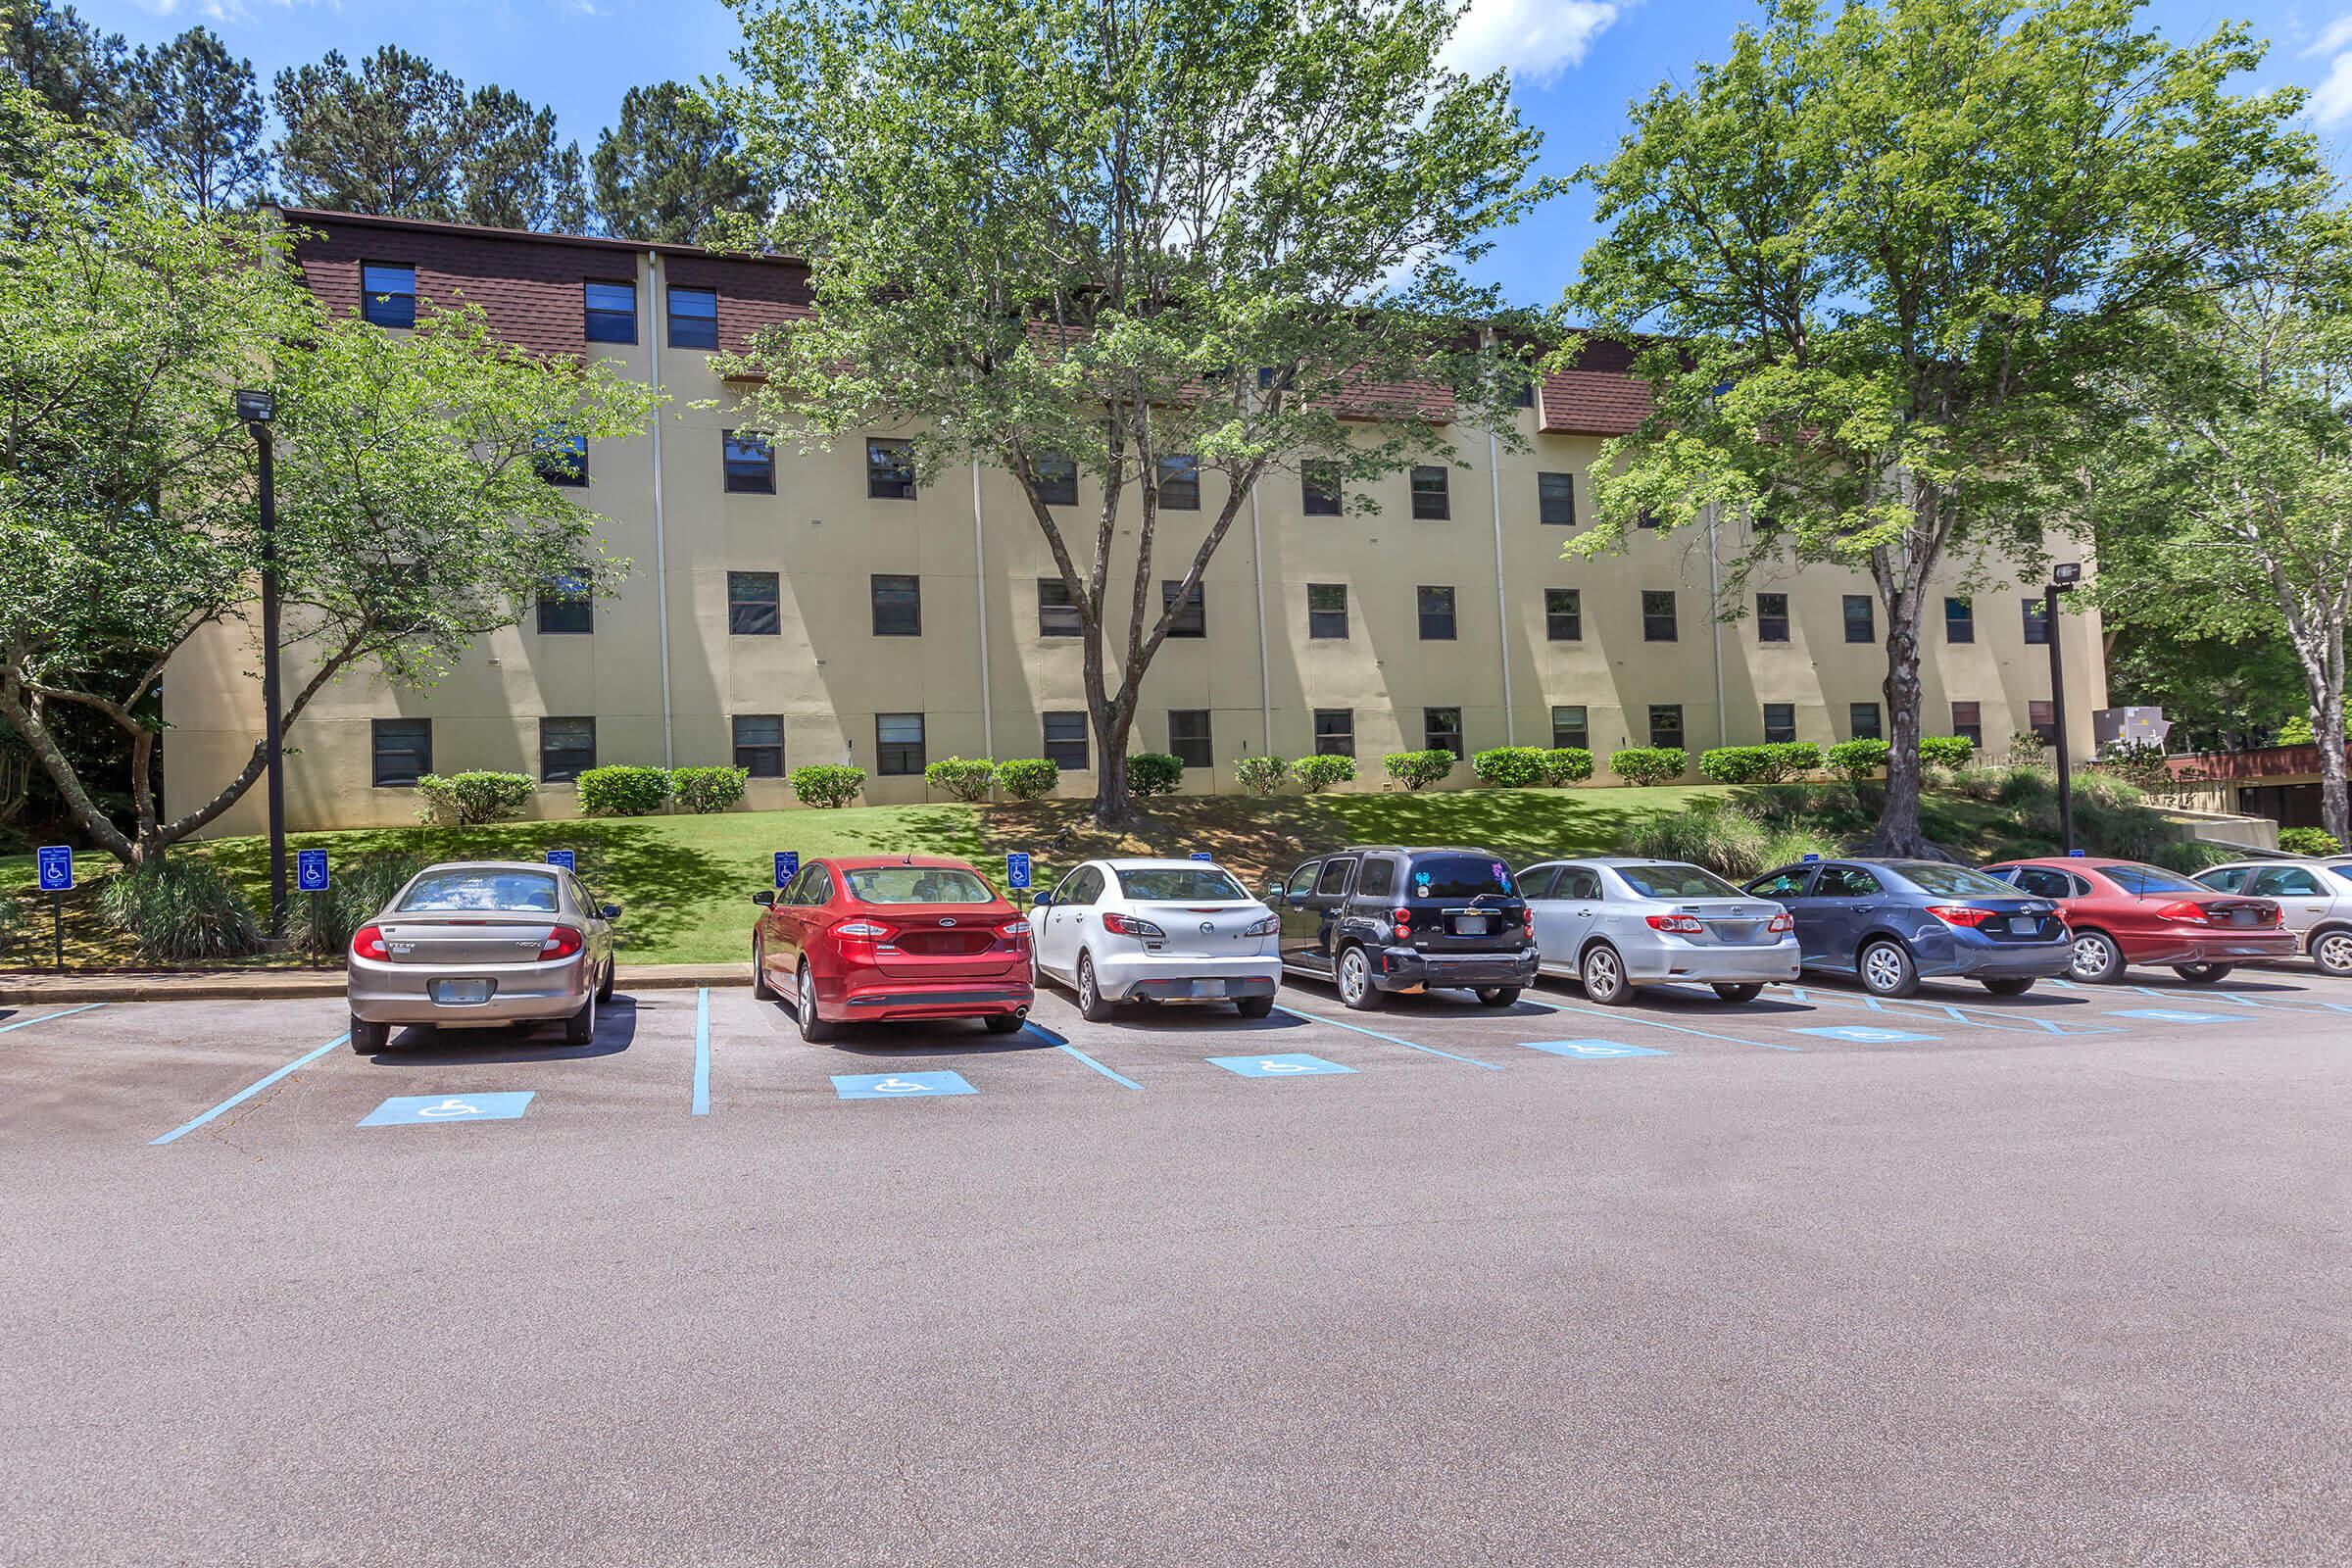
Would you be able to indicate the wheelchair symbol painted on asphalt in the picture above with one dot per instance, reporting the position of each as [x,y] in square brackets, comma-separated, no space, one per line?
[1283,1066]
[1864,1035]
[900,1085]
[2169,1015]
[410,1109]
[1591,1049]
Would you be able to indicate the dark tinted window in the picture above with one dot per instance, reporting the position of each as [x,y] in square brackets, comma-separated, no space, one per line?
[1056,475]
[1846,882]
[1676,881]
[1950,881]
[1780,723]
[388,294]
[567,747]
[1189,739]
[1862,720]
[1431,503]
[1437,612]
[1459,876]
[2143,879]
[1335,732]
[1569,728]
[2045,883]
[1968,722]
[1333,880]
[1788,884]
[693,319]
[897,606]
[1657,615]
[1442,729]
[759,744]
[1563,616]
[1180,483]
[565,608]
[1192,621]
[612,310]
[1536,882]
[1861,619]
[404,751]
[2037,621]
[1666,724]
[753,604]
[751,462]
[1555,499]
[1378,879]
[1065,740]
[563,460]
[1057,612]
[898,744]
[890,469]
[1772,617]
[1959,621]
[1327,610]
[1319,489]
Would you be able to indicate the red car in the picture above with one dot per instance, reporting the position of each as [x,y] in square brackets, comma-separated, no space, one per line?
[2122,912]
[870,938]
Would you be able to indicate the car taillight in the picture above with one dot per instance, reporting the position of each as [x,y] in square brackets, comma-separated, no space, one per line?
[1960,914]
[860,930]
[1403,919]
[1783,922]
[1683,924]
[1127,925]
[2193,914]
[1014,928]
[1527,919]
[368,942]
[562,943]
[1264,928]
[2272,914]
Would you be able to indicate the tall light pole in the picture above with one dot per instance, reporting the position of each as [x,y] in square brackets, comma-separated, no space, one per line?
[2062,577]
[257,410]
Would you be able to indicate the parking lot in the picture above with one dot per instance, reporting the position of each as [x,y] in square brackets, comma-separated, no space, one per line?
[2052,1278]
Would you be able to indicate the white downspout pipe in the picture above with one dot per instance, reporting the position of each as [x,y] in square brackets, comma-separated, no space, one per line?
[987,719]
[1258,574]
[660,528]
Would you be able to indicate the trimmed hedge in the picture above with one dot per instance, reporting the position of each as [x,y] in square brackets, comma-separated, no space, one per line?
[620,791]
[2308,841]
[1029,778]
[1260,774]
[1319,772]
[1418,770]
[1856,761]
[966,778]
[1509,767]
[1567,764]
[703,789]
[831,785]
[1650,764]
[1951,753]
[471,800]
[1150,773]
[1737,765]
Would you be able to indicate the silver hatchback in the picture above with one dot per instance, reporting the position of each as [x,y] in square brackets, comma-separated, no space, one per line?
[1617,923]
[2313,898]
[478,943]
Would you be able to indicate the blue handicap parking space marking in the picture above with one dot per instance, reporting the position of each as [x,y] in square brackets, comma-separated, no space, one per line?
[404,1110]
[1284,1066]
[1591,1049]
[900,1085]
[2172,1015]
[1864,1035]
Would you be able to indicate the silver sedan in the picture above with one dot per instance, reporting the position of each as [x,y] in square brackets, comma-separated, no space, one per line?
[2314,896]
[1618,924]
[481,943]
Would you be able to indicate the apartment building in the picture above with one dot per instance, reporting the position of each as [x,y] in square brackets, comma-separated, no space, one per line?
[785,608]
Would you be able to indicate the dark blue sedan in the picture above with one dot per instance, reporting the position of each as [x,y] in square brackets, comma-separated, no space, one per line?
[1891,923]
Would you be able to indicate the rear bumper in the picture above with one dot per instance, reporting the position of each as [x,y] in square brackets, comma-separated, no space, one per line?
[968,997]
[1403,968]
[2216,947]
[1652,962]
[1169,977]
[522,993]
[1980,959]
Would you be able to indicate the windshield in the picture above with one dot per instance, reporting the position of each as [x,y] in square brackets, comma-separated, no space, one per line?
[917,884]
[1675,881]
[1952,881]
[1460,877]
[1180,884]
[443,891]
[2149,879]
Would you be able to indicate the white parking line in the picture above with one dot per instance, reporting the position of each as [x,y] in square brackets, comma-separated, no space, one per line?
[1620,1015]
[1316,1017]
[1957,1013]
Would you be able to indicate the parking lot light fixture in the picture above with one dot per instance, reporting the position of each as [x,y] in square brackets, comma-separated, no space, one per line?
[258,407]
[2064,576]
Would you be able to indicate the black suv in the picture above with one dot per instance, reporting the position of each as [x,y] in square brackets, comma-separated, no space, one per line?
[1385,918]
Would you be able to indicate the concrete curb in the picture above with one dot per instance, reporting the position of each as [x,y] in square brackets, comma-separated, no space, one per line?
[229,985]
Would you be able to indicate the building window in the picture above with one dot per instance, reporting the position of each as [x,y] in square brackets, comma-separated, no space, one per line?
[1431,503]
[1862,720]
[1968,722]
[1959,620]
[1319,488]
[759,744]
[388,297]
[1861,624]
[1563,616]
[1665,723]
[1188,737]
[754,604]
[1555,499]
[1066,741]
[693,318]
[1055,475]
[751,462]
[2037,621]
[1772,617]
[1180,483]
[404,751]
[1436,614]
[1527,393]
[898,744]
[1657,615]
[1056,610]
[1780,723]
[1192,621]
[566,748]
[563,460]
[1442,729]
[2043,721]
[1335,732]
[565,608]
[1645,518]
[1569,728]
[1327,610]
[611,312]
[897,606]
[889,470]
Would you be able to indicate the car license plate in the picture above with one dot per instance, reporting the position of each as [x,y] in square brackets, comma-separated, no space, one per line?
[1471,925]
[1208,988]
[461,992]
[2024,925]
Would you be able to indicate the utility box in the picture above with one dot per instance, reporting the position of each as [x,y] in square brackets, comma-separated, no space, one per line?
[2135,725]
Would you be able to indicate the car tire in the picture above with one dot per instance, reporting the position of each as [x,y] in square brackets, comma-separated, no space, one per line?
[1604,975]
[2098,960]
[1093,1006]
[370,1038]
[1353,974]
[1254,1006]
[1003,1023]
[603,990]
[1886,969]
[2331,950]
[1497,995]
[580,1028]
[2202,974]
[1747,991]
[762,989]
[2010,985]
[815,1030]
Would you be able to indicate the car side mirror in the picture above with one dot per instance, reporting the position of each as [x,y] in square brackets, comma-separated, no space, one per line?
[765,898]
[1041,901]
[611,912]
[1274,893]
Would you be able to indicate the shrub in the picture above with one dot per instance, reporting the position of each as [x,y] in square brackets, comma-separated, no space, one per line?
[1739,765]
[1856,761]
[1260,774]
[1317,773]
[320,924]
[2293,840]
[2139,762]
[1950,752]
[1418,770]
[1509,767]
[1728,839]
[1648,765]
[624,791]
[966,778]
[182,911]
[1792,758]
[471,800]
[11,922]
[831,785]
[703,789]
[1029,778]
[2298,731]
[2025,749]
[1150,773]
[1567,764]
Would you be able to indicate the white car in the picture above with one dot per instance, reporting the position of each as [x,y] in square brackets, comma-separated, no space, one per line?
[1617,922]
[1157,931]
[2314,899]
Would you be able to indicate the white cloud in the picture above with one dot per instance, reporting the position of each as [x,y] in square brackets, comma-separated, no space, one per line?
[2336,35]
[1534,39]
[2332,100]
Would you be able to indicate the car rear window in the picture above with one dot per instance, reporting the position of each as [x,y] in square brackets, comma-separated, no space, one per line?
[1676,882]
[917,884]
[1179,884]
[448,892]
[1952,881]
[2138,879]
[2342,873]
[1459,876]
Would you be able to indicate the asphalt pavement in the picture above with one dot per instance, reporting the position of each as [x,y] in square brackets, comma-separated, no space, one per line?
[2060,1279]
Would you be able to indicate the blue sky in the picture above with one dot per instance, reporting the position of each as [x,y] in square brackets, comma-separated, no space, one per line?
[1575,64]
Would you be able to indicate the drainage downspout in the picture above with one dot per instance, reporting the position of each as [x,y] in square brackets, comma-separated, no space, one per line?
[988,721]
[1723,722]
[1257,576]
[1502,616]
[660,529]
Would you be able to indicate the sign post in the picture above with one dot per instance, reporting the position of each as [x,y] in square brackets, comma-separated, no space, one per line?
[55,863]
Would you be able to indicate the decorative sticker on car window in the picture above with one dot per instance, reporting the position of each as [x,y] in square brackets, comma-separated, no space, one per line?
[1421,880]
[1503,876]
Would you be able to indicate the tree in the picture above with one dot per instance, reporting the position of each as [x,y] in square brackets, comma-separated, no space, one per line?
[515,174]
[71,67]
[2220,693]
[671,166]
[195,111]
[1890,250]
[1158,243]
[412,520]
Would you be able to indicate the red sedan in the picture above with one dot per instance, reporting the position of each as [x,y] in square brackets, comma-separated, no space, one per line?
[2122,912]
[853,938]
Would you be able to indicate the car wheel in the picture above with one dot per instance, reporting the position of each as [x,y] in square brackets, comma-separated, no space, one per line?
[603,990]
[2202,974]
[1886,969]
[813,1029]
[580,1028]
[2331,950]
[1354,976]
[1090,1005]
[1497,995]
[1739,992]
[1254,1006]
[1604,978]
[762,990]
[1003,1023]
[370,1038]
[2097,960]
[2010,985]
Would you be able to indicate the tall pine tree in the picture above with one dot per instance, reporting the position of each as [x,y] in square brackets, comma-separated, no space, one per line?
[195,110]
[671,166]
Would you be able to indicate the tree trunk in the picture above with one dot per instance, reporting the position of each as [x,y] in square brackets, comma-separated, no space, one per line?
[1113,724]
[1898,832]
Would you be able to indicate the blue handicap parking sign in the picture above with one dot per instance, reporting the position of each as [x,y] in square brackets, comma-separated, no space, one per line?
[562,858]
[1589,1049]
[55,863]
[404,1110]
[309,870]
[1016,870]
[1202,855]
[1864,1035]
[788,865]
[900,1085]
[1288,1066]
[2171,1015]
